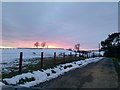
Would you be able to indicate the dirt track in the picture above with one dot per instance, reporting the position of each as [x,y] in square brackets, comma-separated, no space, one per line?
[96,75]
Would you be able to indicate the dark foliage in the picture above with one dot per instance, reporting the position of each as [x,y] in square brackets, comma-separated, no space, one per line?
[111,45]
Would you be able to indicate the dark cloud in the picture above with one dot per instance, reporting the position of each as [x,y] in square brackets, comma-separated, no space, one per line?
[65,23]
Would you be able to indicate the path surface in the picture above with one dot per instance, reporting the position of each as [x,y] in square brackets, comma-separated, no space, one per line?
[95,75]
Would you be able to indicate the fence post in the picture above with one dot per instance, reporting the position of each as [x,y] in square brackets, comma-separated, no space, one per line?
[75,55]
[54,58]
[87,54]
[20,62]
[41,63]
[64,56]
[71,56]
[79,55]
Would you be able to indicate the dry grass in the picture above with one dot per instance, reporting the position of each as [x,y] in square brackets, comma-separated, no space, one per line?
[47,63]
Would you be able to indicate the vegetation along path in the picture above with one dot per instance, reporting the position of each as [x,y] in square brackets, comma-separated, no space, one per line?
[95,75]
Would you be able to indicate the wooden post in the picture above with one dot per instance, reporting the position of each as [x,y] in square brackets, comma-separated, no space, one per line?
[64,56]
[54,58]
[87,54]
[79,55]
[41,63]
[75,55]
[70,56]
[20,62]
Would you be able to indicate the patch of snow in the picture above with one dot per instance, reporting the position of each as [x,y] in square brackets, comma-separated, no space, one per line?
[10,57]
[45,75]
[1,84]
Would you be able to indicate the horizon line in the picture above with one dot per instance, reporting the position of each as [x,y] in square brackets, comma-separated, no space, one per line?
[40,48]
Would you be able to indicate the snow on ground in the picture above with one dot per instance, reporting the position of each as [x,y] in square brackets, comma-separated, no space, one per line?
[10,57]
[36,77]
[1,83]
[95,52]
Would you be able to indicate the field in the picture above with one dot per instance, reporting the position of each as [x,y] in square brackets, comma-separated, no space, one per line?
[31,62]
[35,77]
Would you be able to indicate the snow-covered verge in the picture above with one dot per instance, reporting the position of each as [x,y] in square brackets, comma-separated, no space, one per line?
[10,57]
[1,83]
[36,77]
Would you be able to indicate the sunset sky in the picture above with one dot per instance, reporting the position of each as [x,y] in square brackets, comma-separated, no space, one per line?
[58,24]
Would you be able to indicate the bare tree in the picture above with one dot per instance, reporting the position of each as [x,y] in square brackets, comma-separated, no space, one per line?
[77,47]
[43,44]
[36,44]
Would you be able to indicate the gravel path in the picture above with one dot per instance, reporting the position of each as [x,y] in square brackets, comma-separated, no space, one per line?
[95,75]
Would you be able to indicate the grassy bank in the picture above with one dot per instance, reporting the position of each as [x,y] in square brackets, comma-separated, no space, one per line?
[47,63]
[116,62]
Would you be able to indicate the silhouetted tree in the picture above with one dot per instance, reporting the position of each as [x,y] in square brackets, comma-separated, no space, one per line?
[77,47]
[36,44]
[43,44]
[111,45]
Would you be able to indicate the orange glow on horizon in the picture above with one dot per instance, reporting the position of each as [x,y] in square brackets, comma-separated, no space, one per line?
[50,46]
[23,44]
[6,47]
[30,44]
[54,45]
